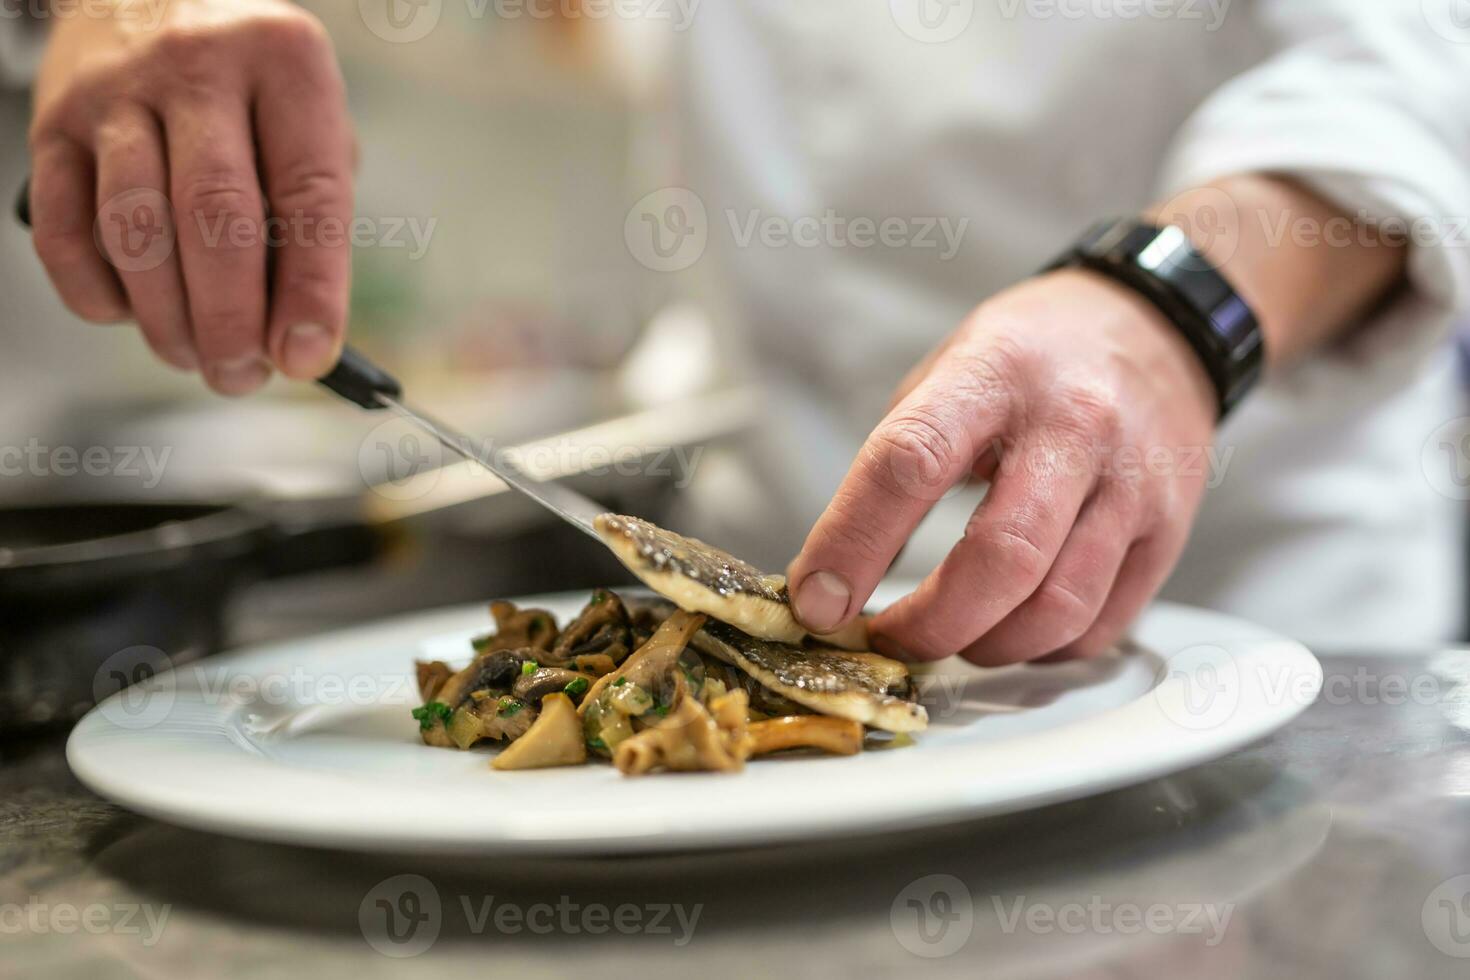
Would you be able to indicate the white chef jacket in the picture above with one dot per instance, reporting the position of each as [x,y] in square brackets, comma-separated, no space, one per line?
[1031,120]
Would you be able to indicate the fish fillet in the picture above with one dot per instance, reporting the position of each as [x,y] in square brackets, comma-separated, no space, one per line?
[863,687]
[699,577]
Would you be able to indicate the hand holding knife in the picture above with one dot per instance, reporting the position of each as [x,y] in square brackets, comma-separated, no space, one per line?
[361,382]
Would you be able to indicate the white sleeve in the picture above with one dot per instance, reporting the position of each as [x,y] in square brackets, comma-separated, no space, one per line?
[21,39]
[1368,103]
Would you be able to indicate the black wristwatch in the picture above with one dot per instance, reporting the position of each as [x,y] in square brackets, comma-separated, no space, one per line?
[1162,265]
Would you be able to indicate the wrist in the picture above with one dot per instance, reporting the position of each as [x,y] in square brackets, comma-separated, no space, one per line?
[1156,354]
[1287,253]
[1160,267]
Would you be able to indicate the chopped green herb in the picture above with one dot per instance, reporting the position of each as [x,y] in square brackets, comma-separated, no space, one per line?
[600,596]
[597,743]
[429,713]
[481,642]
[529,667]
[510,706]
[620,682]
[661,710]
[577,686]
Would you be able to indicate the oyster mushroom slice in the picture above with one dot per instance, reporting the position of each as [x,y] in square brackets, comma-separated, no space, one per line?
[701,578]
[553,739]
[863,687]
[544,681]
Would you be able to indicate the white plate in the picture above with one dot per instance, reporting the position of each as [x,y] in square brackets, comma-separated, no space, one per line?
[311,742]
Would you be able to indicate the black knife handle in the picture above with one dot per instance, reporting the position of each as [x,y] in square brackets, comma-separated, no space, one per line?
[360,381]
[23,203]
[355,378]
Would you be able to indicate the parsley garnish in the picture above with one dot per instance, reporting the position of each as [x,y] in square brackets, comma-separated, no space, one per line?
[597,743]
[529,667]
[431,712]
[620,682]
[510,706]
[578,685]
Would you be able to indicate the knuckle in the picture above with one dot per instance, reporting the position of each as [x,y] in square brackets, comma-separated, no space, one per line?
[310,187]
[124,142]
[1087,409]
[916,453]
[223,193]
[849,534]
[294,31]
[195,57]
[1024,559]
[1064,611]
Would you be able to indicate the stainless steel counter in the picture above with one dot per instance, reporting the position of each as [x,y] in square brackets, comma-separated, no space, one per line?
[1338,848]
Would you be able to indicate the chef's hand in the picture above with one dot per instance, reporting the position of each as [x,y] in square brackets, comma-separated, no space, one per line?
[1090,415]
[1037,392]
[168,138]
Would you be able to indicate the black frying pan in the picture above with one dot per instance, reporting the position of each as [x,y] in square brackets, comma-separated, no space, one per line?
[93,595]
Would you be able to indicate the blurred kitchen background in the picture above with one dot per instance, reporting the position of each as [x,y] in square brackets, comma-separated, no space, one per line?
[501,293]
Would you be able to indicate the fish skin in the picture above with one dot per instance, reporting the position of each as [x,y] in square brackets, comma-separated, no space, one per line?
[863,687]
[702,578]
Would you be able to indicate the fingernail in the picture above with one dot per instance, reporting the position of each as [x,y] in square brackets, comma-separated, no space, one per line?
[310,350]
[822,600]
[239,377]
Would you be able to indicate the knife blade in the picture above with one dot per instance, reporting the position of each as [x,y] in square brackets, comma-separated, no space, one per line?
[363,383]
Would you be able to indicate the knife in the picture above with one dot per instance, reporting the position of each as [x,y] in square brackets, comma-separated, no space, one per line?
[368,386]
[360,381]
